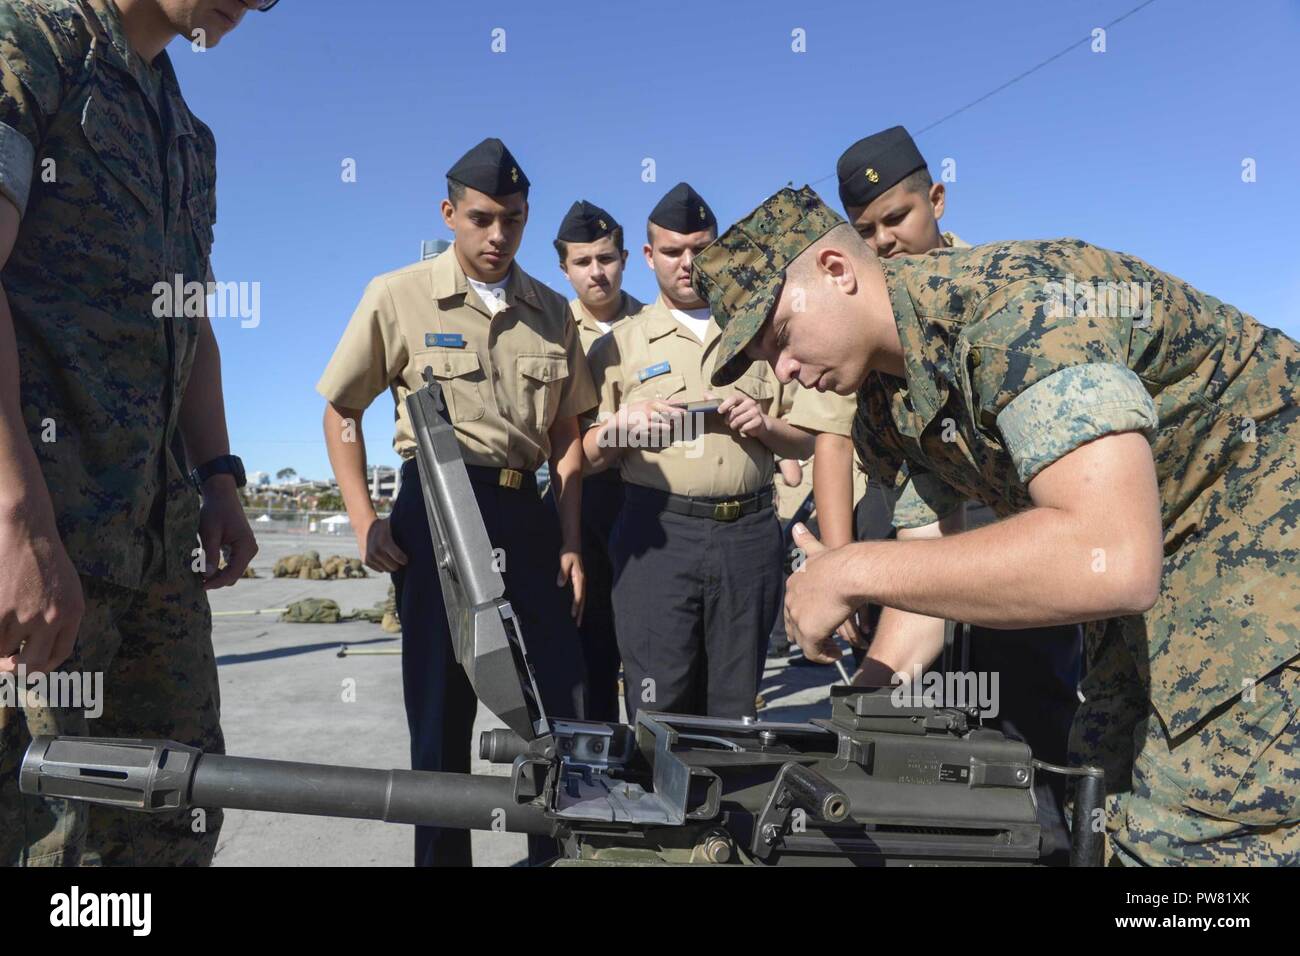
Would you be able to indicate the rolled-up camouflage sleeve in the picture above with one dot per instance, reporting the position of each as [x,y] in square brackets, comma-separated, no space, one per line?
[1069,408]
[1046,383]
[913,496]
[31,81]
[921,499]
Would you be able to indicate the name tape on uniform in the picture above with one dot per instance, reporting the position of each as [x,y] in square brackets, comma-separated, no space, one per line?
[444,340]
[652,371]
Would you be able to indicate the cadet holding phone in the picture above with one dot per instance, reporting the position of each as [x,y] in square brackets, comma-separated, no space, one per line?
[697,548]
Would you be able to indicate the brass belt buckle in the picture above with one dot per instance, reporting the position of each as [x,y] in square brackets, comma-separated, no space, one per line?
[726,511]
[509,478]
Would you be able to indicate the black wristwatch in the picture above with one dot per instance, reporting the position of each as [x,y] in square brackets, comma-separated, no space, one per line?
[222,465]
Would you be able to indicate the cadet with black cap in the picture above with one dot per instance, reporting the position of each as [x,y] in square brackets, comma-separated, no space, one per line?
[697,548]
[1169,532]
[891,200]
[505,350]
[592,258]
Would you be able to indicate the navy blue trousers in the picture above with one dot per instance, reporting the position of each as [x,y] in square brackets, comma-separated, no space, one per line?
[694,601]
[602,500]
[440,703]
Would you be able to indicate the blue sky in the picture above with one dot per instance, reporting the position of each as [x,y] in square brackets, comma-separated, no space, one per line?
[1139,148]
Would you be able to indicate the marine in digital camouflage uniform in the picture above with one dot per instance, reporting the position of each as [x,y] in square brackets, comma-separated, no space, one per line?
[1024,352]
[114,178]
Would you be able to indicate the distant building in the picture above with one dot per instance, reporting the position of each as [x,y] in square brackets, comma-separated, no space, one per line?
[259,479]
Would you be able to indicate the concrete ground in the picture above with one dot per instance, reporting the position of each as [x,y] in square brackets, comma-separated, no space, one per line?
[286,694]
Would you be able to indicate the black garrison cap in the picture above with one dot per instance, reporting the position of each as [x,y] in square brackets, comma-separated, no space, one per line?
[490,168]
[877,163]
[585,222]
[683,210]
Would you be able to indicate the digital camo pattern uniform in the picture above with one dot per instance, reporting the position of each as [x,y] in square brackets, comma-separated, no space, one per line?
[1192,707]
[115,178]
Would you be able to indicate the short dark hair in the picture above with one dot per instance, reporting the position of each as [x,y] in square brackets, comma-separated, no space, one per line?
[456,191]
[650,239]
[562,247]
[918,182]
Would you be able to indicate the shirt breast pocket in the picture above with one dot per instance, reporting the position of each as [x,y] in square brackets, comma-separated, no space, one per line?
[460,376]
[756,388]
[110,132]
[666,388]
[541,379]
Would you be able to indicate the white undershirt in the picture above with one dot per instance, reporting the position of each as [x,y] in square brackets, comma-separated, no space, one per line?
[493,294]
[604,326]
[697,320]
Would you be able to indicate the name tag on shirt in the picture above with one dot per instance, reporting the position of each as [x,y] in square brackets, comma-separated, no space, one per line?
[444,340]
[651,371]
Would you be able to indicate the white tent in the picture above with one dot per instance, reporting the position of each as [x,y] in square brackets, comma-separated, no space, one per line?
[335,524]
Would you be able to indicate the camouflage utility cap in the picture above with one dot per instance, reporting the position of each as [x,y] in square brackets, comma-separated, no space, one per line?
[741,272]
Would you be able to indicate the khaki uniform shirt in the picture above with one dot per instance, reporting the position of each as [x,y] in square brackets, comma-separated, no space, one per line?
[104,346]
[589,329]
[505,378]
[1016,353]
[790,497]
[653,356]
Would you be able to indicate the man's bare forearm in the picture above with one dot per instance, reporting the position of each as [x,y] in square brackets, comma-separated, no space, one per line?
[833,488]
[905,641]
[22,486]
[203,407]
[599,451]
[567,458]
[786,441]
[346,446]
[23,492]
[1036,568]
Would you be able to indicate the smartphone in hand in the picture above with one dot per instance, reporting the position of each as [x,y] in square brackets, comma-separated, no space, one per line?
[709,407]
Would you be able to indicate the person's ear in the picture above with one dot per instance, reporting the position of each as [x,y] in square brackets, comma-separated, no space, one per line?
[836,266]
[448,215]
[937,196]
[649,256]
[846,275]
[625,258]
